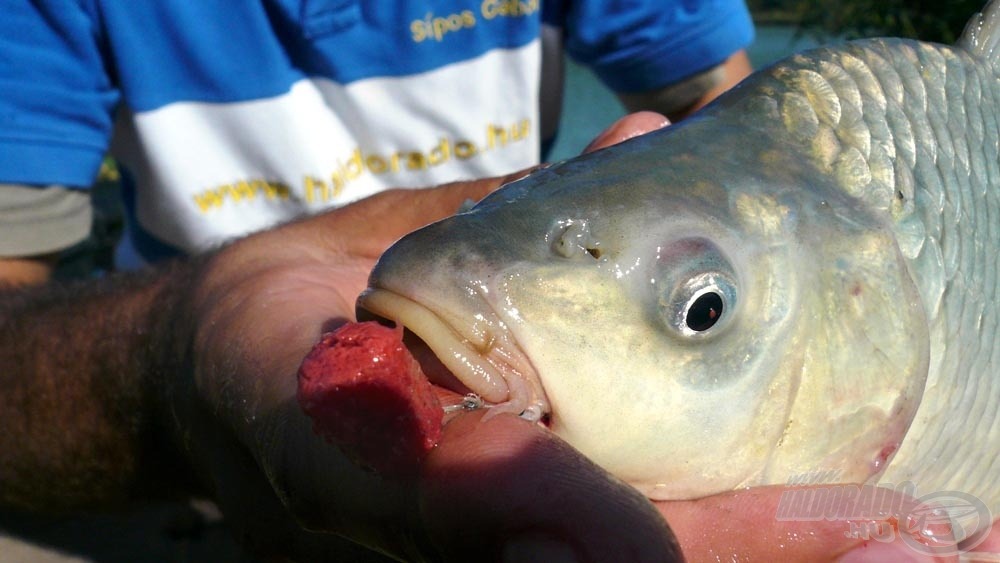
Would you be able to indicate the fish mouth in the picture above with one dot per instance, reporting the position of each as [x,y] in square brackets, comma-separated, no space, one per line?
[490,364]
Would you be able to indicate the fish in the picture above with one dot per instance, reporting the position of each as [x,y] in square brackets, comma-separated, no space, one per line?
[800,277]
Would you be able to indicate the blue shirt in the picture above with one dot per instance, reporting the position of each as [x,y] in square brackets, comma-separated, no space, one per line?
[229,117]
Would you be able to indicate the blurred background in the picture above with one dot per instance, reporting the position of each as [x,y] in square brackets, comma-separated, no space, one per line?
[196,532]
[783,27]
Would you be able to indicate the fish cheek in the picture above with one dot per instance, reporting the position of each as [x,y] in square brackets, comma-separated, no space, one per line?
[675,419]
[864,360]
[586,340]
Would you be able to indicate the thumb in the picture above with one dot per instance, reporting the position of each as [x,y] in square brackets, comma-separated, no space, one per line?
[631,125]
[505,489]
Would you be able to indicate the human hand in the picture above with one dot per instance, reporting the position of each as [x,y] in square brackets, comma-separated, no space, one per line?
[253,312]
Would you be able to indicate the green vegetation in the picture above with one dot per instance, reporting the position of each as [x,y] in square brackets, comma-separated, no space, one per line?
[929,20]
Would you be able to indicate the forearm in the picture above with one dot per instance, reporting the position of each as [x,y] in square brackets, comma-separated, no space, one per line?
[26,271]
[679,100]
[81,385]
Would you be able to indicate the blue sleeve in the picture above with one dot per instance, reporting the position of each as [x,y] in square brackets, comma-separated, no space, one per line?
[641,45]
[56,97]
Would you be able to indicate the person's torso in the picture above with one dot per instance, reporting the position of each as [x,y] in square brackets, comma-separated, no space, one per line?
[239,117]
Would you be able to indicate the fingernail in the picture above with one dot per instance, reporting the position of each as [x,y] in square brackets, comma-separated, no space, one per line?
[537,548]
[879,552]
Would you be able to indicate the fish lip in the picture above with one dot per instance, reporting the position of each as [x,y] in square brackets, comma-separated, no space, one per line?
[500,377]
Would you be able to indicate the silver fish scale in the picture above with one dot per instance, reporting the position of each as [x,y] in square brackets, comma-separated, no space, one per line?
[911,128]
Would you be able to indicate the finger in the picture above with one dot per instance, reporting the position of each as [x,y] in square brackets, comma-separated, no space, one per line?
[505,489]
[990,546]
[773,523]
[370,225]
[631,125]
[412,210]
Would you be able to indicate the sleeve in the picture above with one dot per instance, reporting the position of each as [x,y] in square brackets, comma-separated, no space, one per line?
[38,220]
[56,96]
[642,45]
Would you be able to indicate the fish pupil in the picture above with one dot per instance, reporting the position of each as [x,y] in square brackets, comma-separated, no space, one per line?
[704,312]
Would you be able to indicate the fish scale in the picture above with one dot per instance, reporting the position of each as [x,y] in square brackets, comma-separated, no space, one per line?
[957,263]
[843,207]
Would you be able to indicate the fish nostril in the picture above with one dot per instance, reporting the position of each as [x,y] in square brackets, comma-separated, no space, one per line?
[571,238]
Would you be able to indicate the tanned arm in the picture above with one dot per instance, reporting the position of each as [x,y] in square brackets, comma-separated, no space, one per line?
[26,271]
[677,101]
[78,393]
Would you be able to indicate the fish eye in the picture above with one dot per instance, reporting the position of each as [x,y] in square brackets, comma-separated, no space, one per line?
[700,304]
[695,287]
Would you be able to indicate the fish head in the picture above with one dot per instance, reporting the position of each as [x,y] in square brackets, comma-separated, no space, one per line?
[693,314]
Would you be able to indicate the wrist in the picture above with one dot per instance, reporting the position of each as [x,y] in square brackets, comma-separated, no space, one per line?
[165,367]
[81,407]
